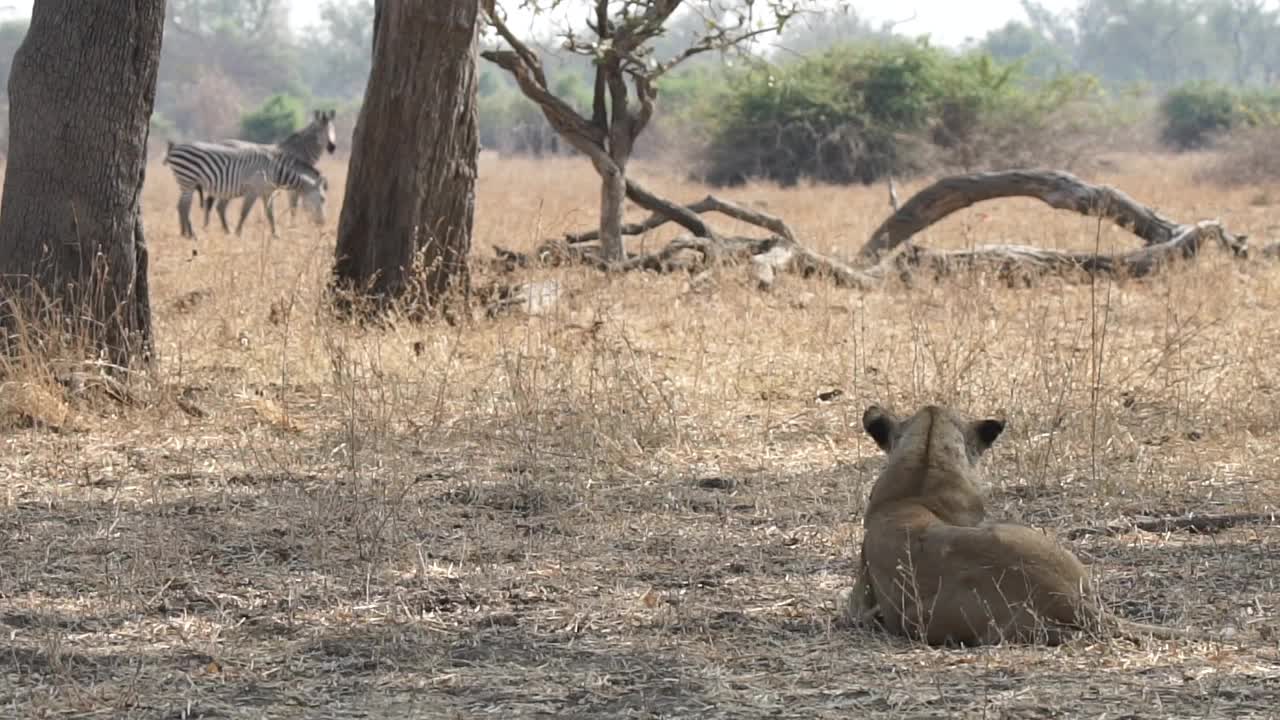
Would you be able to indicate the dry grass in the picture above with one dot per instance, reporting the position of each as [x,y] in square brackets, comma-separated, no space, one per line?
[1248,157]
[633,506]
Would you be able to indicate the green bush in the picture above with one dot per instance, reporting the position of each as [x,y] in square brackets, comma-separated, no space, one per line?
[279,116]
[1193,114]
[856,114]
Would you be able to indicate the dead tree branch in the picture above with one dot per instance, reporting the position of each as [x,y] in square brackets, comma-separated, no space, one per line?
[686,216]
[1020,260]
[1202,524]
[770,256]
[781,252]
[1060,190]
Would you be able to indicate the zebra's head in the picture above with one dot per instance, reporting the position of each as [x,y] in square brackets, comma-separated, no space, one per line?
[313,192]
[324,120]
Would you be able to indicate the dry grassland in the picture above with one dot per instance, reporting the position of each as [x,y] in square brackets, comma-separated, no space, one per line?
[634,506]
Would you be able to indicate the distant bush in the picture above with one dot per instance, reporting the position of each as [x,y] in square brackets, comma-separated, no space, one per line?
[856,114]
[279,116]
[1195,115]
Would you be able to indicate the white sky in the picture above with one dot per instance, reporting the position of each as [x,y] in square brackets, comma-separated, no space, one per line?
[949,22]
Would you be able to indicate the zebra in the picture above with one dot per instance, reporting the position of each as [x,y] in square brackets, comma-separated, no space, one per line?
[307,144]
[223,171]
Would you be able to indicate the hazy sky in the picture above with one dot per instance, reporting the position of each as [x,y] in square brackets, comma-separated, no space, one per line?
[947,21]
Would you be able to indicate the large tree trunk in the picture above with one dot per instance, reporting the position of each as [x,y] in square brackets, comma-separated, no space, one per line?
[72,250]
[406,222]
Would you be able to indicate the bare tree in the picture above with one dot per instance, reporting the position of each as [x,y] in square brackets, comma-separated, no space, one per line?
[620,39]
[71,241]
[407,216]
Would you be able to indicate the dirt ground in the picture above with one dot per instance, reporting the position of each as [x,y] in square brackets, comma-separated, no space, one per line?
[635,505]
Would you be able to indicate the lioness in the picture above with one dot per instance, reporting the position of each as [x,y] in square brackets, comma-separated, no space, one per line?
[936,464]
[933,569]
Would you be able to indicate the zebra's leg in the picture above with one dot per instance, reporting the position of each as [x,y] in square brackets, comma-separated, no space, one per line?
[207,205]
[184,215]
[246,206]
[271,218]
[222,214]
[294,195]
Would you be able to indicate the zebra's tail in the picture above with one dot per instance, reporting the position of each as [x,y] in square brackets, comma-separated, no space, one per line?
[168,150]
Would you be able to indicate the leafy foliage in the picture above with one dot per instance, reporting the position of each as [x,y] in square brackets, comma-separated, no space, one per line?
[1194,115]
[271,123]
[855,114]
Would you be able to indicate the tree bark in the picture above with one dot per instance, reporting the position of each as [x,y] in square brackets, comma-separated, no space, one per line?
[613,196]
[407,215]
[72,249]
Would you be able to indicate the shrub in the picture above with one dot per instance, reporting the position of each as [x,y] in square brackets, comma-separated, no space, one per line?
[279,116]
[813,118]
[856,114]
[1193,114]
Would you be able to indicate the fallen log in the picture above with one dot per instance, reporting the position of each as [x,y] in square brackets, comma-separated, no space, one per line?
[770,256]
[1021,260]
[780,252]
[1060,190]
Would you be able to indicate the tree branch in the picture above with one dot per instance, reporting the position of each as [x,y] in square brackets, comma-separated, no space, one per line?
[664,211]
[1204,524]
[580,132]
[530,60]
[1020,261]
[1056,189]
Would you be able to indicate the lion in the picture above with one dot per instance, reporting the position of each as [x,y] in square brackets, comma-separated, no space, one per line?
[954,492]
[933,568]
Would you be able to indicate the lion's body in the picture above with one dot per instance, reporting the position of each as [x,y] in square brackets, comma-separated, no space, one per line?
[931,471]
[933,569]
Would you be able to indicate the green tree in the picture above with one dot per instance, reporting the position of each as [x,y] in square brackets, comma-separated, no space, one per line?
[335,54]
[1020,42]
[1162,42]
[1245,30]
[248,42]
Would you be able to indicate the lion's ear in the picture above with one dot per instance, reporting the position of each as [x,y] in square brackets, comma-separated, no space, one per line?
[986,431]
[880,425]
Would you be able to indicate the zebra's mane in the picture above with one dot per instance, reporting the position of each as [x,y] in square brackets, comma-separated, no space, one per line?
[307,143]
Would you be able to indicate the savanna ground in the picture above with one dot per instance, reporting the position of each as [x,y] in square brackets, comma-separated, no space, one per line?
[635,505]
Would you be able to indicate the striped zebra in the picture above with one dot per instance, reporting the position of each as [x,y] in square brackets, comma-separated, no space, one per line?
[307,145]
[222,171]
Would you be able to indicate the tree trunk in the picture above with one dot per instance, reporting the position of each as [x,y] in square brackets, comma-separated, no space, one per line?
[72,249]
[613,196]
[406,222]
